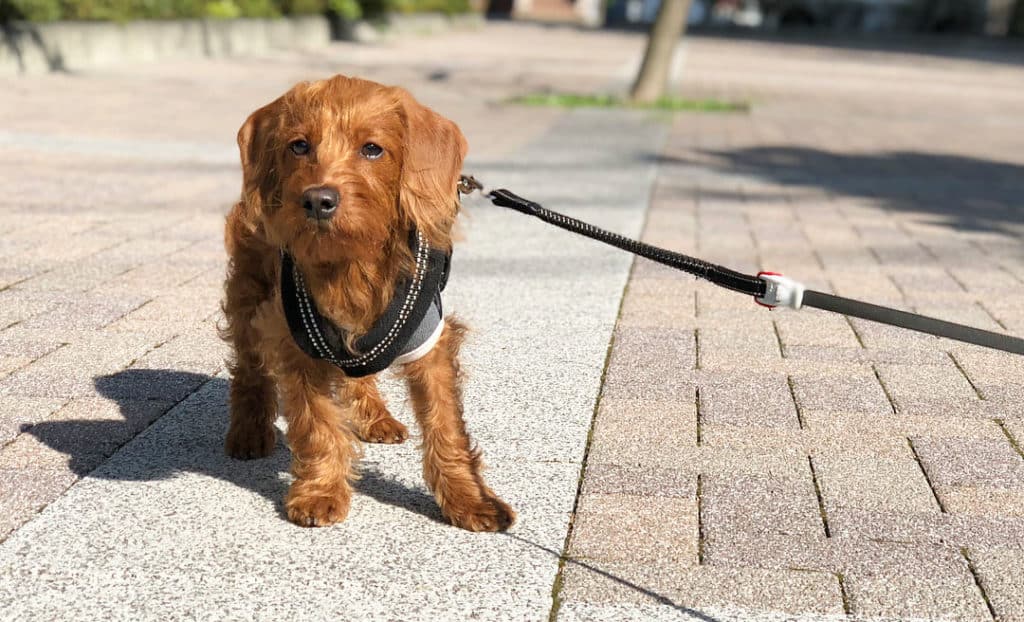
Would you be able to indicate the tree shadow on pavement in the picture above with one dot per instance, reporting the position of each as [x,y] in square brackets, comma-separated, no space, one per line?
[963,193]
[931,47]
[190,442]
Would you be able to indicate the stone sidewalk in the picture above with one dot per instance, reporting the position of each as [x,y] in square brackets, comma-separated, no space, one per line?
[806,463]
[740,463]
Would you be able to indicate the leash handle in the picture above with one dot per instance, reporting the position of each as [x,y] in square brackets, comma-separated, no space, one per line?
[913,321]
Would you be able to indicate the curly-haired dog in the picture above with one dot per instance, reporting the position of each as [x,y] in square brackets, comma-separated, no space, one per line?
[338,252]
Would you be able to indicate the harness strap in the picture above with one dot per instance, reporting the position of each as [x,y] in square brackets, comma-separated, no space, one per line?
[384,342]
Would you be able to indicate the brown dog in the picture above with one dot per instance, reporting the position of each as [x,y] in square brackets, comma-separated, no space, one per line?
[349,187]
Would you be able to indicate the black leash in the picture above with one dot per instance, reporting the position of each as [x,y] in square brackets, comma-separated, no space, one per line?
[769,289]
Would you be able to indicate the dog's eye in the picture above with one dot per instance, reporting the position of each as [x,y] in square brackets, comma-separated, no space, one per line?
[372,151]
[299,147]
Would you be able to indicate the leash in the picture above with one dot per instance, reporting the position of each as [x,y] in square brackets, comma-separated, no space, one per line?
[769,289]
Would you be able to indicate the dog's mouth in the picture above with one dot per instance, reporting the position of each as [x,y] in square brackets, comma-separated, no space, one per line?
[318,225]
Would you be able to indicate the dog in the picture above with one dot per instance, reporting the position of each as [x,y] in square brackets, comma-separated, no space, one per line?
[349,198]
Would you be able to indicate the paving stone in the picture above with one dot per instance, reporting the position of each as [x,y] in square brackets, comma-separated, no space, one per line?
[18,412]
[12,363]
[747,399]
[982,500]
[825,429]
[926,388]
[796,444]
[883,337]
[202,348]
[140,384]
[81,316]
[776,590]
[953,463]
[723,340]
[665,309]
[800,356]
[899,580]
[892,483]
[15,343]
[630,432]
[16,306]
[618,479]
[180,304]
[754,506]
[24,491]
[990,370]
[79,436]
[649,364]
[611,527]
[771,551]
[847,388]
[815,328]
[1001,572]
[869,284]
[79,276]
[927,526]
[156,277]
[1015,433]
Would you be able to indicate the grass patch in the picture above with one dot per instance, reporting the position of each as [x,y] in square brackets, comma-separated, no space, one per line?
[670,104]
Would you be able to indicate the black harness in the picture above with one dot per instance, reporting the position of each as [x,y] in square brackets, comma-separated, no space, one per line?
[321,339]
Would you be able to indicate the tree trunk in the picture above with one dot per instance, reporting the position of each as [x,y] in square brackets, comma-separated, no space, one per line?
[661,44]
[1017,21]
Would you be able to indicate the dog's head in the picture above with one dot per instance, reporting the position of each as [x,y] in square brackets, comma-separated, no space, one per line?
[337,169]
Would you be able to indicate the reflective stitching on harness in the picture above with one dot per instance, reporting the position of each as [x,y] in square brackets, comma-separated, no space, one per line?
[308,319]
[313,328]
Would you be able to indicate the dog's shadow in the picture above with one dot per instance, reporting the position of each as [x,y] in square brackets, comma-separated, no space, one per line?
[190,440]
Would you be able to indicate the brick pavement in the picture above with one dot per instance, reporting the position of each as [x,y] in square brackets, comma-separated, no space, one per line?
[740,460]
[805,463]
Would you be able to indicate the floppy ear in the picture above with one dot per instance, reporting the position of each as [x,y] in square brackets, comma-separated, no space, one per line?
[431,165]
[258,151]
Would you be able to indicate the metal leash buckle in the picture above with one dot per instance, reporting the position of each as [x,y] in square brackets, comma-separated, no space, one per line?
[468,184]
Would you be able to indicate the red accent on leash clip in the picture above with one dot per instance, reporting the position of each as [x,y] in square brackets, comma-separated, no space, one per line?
[757,299]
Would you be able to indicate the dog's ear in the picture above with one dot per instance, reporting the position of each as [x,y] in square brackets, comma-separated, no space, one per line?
[258,151]
[431,165]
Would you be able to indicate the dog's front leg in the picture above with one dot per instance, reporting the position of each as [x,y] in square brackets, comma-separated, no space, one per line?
[322,449]
[370,417]
[451,465]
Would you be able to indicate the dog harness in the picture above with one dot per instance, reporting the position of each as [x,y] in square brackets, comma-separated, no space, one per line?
[405,332]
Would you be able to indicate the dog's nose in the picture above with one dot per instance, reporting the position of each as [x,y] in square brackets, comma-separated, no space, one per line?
[320,202]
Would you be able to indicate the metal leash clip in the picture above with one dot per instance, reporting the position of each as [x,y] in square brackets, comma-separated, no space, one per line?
[780,291]
[468,184]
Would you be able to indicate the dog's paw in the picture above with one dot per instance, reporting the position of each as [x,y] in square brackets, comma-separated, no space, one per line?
[316,511]
[247,443]
[385,430]
[488,513]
